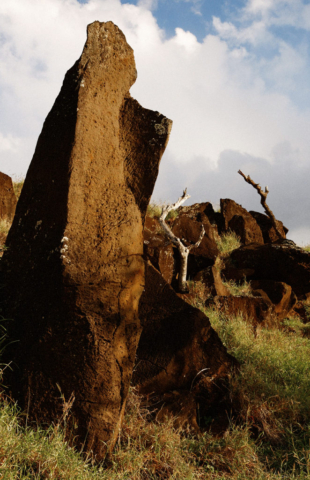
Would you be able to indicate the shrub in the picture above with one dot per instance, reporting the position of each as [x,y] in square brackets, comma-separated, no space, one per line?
[236,289]
[227,243]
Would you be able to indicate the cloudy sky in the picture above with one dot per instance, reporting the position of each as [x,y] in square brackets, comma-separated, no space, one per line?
[234,76]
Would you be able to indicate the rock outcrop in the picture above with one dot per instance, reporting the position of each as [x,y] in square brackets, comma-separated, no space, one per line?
[74,269]
[158,249]
[7,197]
[267,229]
[279,262]
[239,220]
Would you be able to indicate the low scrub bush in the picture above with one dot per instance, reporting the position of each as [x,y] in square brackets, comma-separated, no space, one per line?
[236,289]
[227,243]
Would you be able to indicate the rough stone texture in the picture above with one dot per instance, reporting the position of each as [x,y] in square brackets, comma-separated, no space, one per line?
[280,294]
[256,310]
[282,262]
[240,221]
[7,197]
[74,269]
[211,278]
[176,343]
[158,249]
[204,213]
[187,226]
[268,231]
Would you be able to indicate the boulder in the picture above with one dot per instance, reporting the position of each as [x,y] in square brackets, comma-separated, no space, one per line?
[202,211]
[239,220]
[211,278]
[158,249]
[280,262]
[7,197]
[256,310]
[280,295]
[187,226]
[268,231]
[178,350]
[74,268]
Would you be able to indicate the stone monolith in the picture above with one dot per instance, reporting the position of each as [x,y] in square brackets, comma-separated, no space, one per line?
[74,270]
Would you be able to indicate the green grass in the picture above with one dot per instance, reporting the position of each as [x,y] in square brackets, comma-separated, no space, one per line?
[236,289]
[272,390]
[155,210]
[227,243]
[268,438]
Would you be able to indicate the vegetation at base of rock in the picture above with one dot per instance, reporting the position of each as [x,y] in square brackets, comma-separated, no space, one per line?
[155,210]
[236,289]
[5,226]
[268,437]
[228,242]
[18,184]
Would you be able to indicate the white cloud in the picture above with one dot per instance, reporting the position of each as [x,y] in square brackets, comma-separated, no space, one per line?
[227,100]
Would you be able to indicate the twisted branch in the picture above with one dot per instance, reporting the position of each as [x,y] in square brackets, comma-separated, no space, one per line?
[263,202]
[183,249]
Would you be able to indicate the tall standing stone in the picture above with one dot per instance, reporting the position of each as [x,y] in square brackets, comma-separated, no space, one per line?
[74,271]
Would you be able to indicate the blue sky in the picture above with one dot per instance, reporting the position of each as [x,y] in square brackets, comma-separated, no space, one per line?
[234,76]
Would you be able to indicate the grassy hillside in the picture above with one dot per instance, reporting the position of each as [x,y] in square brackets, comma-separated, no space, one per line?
[268,438]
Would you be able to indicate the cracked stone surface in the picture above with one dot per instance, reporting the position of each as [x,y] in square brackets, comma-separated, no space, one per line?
[74,270]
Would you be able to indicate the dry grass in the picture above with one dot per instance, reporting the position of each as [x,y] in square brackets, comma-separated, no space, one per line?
[227,243]
[5,226]
[268,437]
[18,184]
[236,289]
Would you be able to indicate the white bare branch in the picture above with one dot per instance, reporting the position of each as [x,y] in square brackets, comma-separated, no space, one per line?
[263,196]
[183,249]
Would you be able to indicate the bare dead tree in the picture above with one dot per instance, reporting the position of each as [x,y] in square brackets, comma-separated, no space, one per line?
[263,196]
[183,249]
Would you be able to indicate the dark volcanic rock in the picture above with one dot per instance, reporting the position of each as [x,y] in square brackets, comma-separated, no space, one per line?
[280,294]
[7,197]
[268,231]
[256,310]
[211,278]
[158,249]
[282,262]
[178,342]
[74,269]
[239,220]
[187,226]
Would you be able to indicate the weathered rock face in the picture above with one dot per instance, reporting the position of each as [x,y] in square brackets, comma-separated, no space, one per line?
[7,197]
[240,221]
[211,278]
[74,269]
[280,295]
[281,262]
[158,249]
[268,231]
[188,226]
[178,342]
